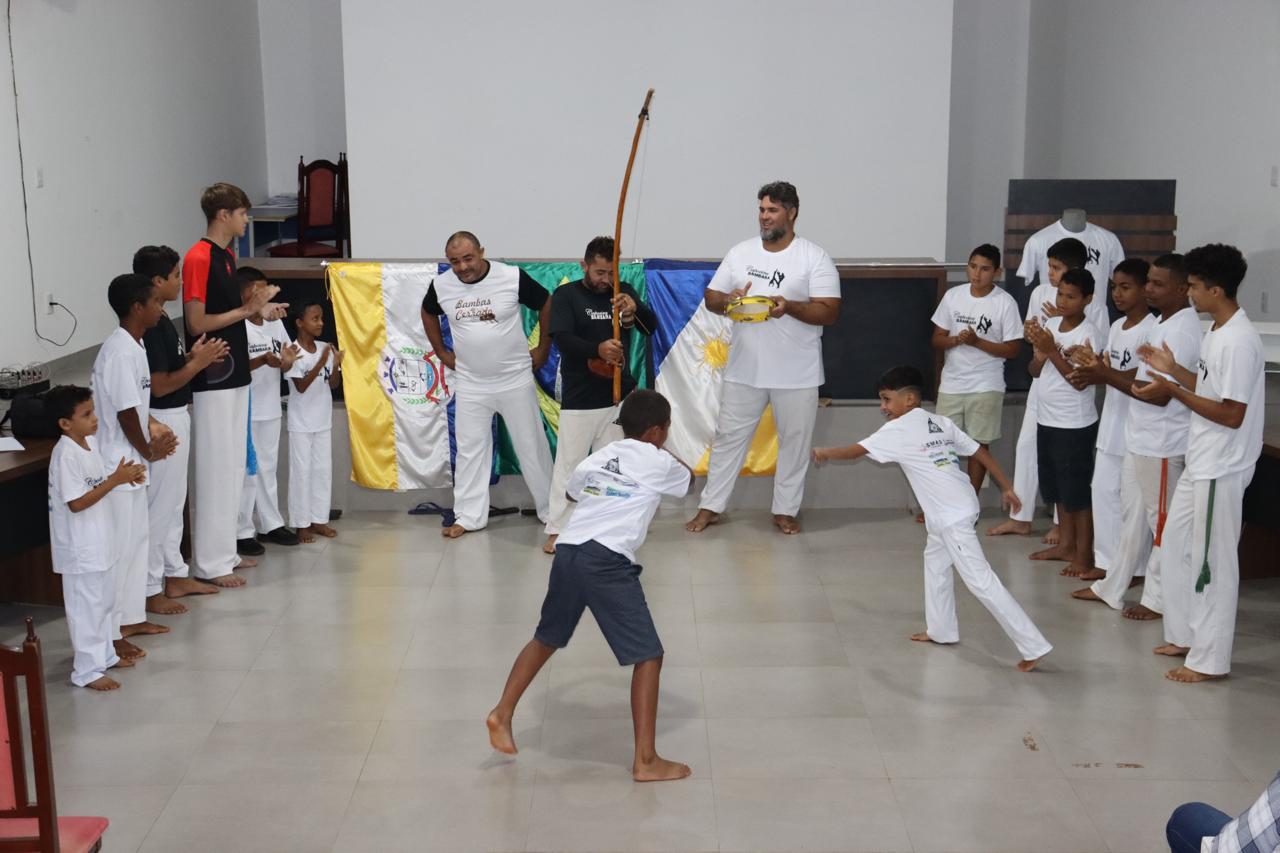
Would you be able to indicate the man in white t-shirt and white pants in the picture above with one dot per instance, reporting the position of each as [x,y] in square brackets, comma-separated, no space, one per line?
[777,362]
[1226,396]
[492,373]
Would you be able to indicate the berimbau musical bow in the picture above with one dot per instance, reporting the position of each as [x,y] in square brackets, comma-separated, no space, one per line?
[617,243]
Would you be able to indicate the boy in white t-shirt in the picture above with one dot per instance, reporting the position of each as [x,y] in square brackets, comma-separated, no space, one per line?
[617,490]
[311,379]
[271,355]
[80,533]
[122,394]
[1067,421]
[978,327]
[928,447]
[1199,560]
[1115,370]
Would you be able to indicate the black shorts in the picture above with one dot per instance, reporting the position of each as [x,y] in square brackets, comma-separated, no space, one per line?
[591,575]
[1065,460]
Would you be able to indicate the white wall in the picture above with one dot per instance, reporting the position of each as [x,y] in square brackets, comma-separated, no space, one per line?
[514,120]
[302,84]
[1168,89]
[129,108]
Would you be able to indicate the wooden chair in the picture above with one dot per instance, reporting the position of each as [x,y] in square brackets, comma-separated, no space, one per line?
[322,211]
[24,825]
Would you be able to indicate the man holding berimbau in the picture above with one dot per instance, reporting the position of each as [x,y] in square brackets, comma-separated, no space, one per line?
[776,361]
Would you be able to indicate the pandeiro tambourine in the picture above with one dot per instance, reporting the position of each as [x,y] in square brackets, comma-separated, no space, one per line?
[749,309]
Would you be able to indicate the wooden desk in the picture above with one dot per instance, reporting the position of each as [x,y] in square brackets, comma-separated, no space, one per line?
[26,566]
[277,213]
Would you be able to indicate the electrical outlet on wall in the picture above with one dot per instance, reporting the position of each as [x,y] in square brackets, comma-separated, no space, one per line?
[49,302]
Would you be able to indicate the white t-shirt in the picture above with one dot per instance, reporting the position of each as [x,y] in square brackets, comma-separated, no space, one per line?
[781,352]
[1060,404]
[264,383]
[80,541]
[928,446]
[1104,251]
[618,489]
[969,370]
[1122,347]
[1161,431]
[121,380]
[1095,312]
[488,329]
[311,410]
[1231,368]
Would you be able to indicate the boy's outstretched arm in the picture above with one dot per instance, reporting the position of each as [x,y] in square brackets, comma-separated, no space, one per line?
[986,460]
[819,455]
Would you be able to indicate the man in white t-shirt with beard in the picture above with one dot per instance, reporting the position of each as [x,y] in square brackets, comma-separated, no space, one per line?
[492,372]
[777,362]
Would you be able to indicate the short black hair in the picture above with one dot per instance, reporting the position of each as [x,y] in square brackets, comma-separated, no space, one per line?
[1135,268]
[128,290]
[782,192]
[642,410]
[155,261]
[61,401]
[1070,251]
[299,311]
[1218,265]
[904,377]
[599,247]
[461,235]
[246,276]
[1174,263]
[988,251]
[1080,278]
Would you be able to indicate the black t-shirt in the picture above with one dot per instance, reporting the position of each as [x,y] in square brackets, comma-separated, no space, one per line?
[580,320]
[209,276]
[165,354]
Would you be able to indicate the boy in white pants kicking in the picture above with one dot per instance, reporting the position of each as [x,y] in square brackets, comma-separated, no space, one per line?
[311,379]
[929,447]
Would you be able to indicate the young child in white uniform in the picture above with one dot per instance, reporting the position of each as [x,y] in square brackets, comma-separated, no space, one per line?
[311,378]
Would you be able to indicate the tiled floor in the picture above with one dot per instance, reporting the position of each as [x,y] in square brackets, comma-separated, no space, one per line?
[336,703]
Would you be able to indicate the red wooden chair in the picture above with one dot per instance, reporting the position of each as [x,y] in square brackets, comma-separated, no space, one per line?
[322,211]
[24,825]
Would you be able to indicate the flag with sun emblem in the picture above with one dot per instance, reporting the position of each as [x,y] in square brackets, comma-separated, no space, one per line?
[690,351]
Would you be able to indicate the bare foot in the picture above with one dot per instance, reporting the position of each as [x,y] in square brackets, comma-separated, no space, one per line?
[122,663]
[324,530]
[919,518]
[453,531]
[659,770]
[1190,676]
[126,650]
[228,581]
[1053,537]
[700,522]
[1010,527]
[178,587]
[247,563]
[160,603]
[1089,573]
[143,628]
[306,534]
[1028,665]
[786,523]
[1170,650]
[549,547]
[1057,552]
[103,683]
[923,637]
[1086,594]
[1140,613]
[1092,574]
[500,737]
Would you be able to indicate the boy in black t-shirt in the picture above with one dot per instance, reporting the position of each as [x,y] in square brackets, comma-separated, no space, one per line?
[582,329]
[172,369]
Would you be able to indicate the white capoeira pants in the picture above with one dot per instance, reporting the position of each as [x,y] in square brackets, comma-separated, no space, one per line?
[220,433]
[582,432]
[166,495]
[1026,467]
[795,410]
[1204,621]
[130,528]
[261,489]
[473,426]
[958,546]
[1105,489]
[310,477]
[1141,507]
[90,602]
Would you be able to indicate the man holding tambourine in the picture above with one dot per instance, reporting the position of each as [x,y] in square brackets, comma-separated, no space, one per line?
[781,290]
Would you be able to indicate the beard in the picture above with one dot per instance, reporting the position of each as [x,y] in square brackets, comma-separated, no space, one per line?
[769,235]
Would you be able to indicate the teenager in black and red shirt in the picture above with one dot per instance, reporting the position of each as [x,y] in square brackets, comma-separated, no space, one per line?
[220,399]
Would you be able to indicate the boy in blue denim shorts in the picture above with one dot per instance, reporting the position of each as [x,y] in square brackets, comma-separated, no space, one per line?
[617,490]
